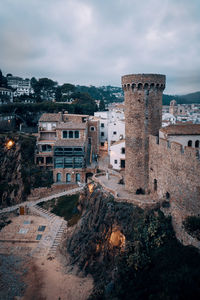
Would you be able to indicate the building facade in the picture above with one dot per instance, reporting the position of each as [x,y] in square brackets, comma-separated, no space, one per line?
[68,145]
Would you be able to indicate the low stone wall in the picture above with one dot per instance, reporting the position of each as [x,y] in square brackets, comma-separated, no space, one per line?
[45,192]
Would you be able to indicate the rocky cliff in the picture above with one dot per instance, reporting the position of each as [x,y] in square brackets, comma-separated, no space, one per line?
[18,174]
[131,253]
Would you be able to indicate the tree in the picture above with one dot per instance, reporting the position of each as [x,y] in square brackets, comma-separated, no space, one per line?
[101,105]
[67,87]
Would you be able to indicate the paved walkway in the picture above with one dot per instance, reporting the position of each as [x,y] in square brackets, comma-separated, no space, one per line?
[32,203]
[50,241]
[110,184]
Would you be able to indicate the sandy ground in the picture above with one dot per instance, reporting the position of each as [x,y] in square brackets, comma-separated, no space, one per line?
[44,278]
[51,280]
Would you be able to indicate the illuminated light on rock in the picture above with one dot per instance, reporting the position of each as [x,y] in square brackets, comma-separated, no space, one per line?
[117,239]
[91,187]
[10,144]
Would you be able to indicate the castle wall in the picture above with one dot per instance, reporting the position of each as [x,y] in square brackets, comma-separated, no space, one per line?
[177,172]
[143,113]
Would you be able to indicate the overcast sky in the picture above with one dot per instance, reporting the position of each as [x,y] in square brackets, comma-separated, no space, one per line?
[97,41]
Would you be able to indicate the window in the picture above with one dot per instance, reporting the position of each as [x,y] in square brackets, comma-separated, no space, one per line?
[78,177]
[64,134]
[70,134]
[46,148]
[102,144]
[68,162]
[102,133]
[102,125]
[114,132]
[196,144]
[155,184]
[58,177]
[92,128]
[58,162]
[78,162]
[115,161]
[49,160]
[123,150]
[189,143]
[76,134]
[68,177]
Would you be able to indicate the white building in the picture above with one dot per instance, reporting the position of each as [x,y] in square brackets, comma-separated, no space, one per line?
[168,119]
[6,95]
[184,134]
[112,126]
[116,131]
[117,155]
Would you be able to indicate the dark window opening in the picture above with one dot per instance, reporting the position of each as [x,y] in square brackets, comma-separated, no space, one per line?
[58,177]
[115,161]
[155,183]
[102,133]
[64,134]
[114,132]
[122,164]
[167,196]
[197,144]
[189,143]
[46,148]
[102,125]
[49,160]
[92,128]
[123,150]
[71,134]
[102,144]
[76,134]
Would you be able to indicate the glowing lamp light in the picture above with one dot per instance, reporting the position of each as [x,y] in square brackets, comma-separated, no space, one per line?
[91,187]
[10,144]
[117,239]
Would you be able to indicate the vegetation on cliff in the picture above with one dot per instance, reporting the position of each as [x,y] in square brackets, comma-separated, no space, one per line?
[18,173]
[132,253]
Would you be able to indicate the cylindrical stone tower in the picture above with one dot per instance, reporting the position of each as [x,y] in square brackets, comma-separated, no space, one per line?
[143,116]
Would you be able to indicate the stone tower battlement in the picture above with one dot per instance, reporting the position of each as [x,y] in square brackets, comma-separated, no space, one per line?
[143,116]
[143,82]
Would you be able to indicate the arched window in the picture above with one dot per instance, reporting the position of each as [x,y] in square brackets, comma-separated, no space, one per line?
[58,177]
[78,177]
[167,196]
[197,144]
[139,86]
[189,143]
[68,177]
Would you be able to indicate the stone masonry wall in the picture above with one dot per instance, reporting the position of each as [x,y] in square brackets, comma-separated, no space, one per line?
[177,172]
[143,112]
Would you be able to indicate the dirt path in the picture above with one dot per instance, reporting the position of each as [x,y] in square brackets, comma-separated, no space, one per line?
[50,280]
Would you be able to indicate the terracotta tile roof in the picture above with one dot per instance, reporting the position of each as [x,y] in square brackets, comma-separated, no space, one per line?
[71,125]
[182,129]
[70,142]
[49,118]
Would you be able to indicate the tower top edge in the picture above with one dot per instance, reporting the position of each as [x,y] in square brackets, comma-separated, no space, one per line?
[137,78]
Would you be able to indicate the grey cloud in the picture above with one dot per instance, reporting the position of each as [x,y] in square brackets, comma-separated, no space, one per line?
[95,42]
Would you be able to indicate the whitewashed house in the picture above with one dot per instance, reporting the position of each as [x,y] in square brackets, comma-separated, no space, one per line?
[117,155]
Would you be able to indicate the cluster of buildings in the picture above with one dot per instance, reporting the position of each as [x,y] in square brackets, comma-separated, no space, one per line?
[70,144]
[17,86]
[180,113]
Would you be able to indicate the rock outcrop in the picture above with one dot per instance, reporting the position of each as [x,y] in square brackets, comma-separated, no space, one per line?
[126,248]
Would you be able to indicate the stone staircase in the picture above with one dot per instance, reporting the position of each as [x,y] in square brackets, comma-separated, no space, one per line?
[51,240]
